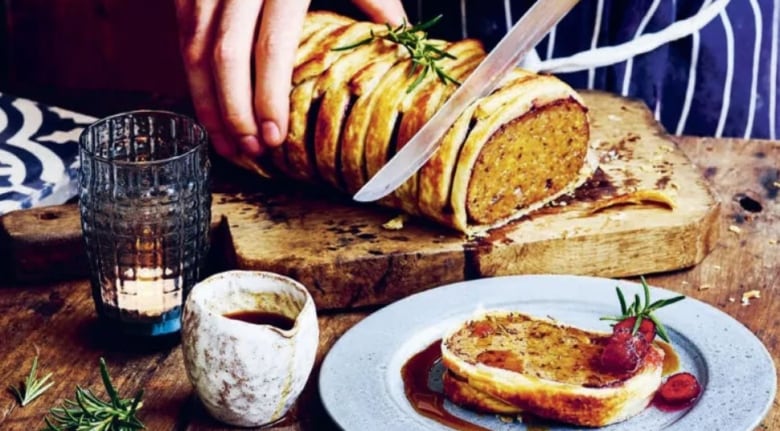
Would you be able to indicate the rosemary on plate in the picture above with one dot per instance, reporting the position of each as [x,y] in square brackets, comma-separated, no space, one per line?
[32,387]
[424,53]
[640,310]
[88,412]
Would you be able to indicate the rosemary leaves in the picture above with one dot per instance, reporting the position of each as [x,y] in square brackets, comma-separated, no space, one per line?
[424,53]
[88,412]
[32,387]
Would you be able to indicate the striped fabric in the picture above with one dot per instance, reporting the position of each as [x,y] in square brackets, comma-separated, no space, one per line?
[717,80]
[721,80]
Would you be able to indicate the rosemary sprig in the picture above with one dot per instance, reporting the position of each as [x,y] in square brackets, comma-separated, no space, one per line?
[643,311]
[31,388]
[90,413]
[424,53]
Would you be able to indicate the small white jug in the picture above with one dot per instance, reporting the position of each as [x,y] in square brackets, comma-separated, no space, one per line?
[249,374]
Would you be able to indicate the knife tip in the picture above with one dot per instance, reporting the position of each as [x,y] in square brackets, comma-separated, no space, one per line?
[362,196]
[368,194]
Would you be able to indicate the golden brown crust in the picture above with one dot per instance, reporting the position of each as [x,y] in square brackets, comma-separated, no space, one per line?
[353,147]
[333,89]
[317,27]
[318,19]
[518,99]
[549,369]
[325,55]
[350,112]
[301,167]
[458,390]
[419,107]
[435,177]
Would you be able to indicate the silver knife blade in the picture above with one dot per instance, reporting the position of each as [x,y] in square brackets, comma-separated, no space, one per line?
[523,36]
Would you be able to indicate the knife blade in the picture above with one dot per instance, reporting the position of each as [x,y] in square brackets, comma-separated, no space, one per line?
[523,36]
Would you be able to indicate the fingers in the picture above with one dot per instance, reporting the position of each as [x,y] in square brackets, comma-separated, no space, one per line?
[217,40]
[232,71]
[280,30]
[383,11]
[196,33]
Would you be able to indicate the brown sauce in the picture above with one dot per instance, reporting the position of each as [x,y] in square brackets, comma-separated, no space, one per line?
[430,403]
[671,360]
[263,318]
[425,400]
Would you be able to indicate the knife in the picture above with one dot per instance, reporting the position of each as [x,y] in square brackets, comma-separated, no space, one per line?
[525,34]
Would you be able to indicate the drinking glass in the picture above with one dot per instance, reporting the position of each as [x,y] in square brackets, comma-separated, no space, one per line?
[145,214]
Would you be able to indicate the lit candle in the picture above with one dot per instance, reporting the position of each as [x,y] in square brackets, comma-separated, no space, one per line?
[148,291]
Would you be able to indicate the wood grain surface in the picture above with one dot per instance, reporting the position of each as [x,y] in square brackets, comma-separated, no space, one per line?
[57,319]
[340,250]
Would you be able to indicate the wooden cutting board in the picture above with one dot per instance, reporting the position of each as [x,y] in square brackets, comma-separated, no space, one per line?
[341,252]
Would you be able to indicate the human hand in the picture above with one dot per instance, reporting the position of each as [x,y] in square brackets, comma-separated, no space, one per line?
[218,39]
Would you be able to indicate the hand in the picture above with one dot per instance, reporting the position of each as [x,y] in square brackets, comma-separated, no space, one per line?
[218,39]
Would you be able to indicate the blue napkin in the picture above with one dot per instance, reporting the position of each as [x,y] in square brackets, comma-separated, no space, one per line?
[38,153]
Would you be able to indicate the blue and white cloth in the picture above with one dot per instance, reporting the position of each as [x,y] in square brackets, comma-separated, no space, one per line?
[38,153]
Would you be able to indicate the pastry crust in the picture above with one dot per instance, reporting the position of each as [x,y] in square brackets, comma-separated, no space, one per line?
[332,90]
[350,111]
[353,145]
[519,99]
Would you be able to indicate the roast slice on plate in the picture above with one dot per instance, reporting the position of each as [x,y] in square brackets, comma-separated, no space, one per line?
[506,362]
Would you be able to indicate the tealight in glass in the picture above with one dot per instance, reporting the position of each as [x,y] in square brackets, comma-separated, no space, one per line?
[145,215]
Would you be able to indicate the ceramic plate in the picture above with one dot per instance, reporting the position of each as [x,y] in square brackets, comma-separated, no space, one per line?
[360,380]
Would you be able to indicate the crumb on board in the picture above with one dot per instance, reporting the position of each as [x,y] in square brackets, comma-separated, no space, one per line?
[684,283]
[731,299]
[705,286]
[716,267]
[396,223]
[772,242]
[750,294]
[610,155]
[736,229]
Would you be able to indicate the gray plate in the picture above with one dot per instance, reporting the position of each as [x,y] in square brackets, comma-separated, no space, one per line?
[360,379]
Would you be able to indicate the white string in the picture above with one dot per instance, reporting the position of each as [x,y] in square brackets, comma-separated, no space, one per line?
[508,15]
[691,88]
[609,55]
[463,30]
[773,72]
[759,28]
[551,43]
[639,30]
[595,39]
[724,108]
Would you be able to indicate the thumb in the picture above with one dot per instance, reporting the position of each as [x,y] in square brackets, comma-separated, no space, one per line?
[383,11]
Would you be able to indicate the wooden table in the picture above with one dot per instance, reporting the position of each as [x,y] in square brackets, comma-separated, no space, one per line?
[58,320]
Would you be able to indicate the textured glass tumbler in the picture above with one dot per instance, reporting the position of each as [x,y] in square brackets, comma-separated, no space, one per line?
[145,215]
